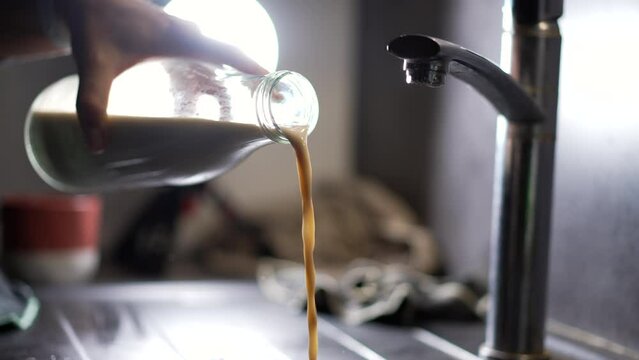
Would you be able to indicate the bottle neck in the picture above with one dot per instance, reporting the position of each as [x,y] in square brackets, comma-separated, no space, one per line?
[285,100]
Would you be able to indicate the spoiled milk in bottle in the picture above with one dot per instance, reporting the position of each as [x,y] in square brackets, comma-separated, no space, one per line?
[298,137]
[150,150]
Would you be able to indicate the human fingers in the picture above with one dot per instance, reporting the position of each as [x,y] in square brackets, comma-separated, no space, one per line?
[185,40]
[92,100]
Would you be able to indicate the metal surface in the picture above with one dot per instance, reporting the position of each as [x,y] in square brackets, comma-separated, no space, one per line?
[522,186]
[225,319]
[424,55]
[593,273]
[205,320]
[519,243]
[488,353]
[535,11]
[519,265]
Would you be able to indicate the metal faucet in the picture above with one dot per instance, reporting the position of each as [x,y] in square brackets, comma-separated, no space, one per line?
[524,162]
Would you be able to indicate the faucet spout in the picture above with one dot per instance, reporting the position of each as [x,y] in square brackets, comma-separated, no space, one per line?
[427,60]
[522,192]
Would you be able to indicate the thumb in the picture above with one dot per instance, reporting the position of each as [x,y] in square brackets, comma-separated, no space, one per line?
[217,51]
[92,100]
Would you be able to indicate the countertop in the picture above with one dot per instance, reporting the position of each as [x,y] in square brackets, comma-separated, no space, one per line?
[209,320]
[215,320]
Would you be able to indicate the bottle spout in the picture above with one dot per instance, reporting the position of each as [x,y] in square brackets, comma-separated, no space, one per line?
[428,60]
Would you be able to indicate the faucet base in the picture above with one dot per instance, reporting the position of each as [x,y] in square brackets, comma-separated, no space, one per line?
[488,353]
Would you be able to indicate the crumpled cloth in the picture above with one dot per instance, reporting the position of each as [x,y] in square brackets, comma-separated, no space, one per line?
[356,218]
[374,259]
[368,290]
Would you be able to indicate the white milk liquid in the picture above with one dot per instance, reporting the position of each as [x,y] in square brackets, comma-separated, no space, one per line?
[140,151]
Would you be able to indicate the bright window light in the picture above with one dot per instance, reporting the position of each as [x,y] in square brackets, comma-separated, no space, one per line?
[242,23]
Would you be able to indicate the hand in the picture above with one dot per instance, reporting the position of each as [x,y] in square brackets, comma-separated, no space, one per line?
[110,36]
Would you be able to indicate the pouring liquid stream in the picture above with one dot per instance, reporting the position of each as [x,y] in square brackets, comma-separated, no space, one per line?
[298,138]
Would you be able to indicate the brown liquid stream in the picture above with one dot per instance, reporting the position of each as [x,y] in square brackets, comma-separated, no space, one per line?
[298,139]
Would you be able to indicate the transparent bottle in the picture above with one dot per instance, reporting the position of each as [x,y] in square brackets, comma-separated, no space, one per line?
[170,122]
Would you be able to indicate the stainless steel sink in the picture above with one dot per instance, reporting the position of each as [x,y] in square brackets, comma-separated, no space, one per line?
[218,320]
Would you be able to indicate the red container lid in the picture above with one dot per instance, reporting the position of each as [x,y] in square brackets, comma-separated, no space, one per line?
[51,222]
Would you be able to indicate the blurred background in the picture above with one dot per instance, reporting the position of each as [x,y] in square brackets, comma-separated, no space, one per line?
[427,152]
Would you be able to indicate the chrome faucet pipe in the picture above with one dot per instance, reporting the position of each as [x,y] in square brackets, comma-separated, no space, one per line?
[531,51]
[428,60]
[522,192]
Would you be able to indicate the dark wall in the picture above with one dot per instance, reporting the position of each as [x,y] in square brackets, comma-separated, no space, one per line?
[396,122]
[433,146]
[594,275]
